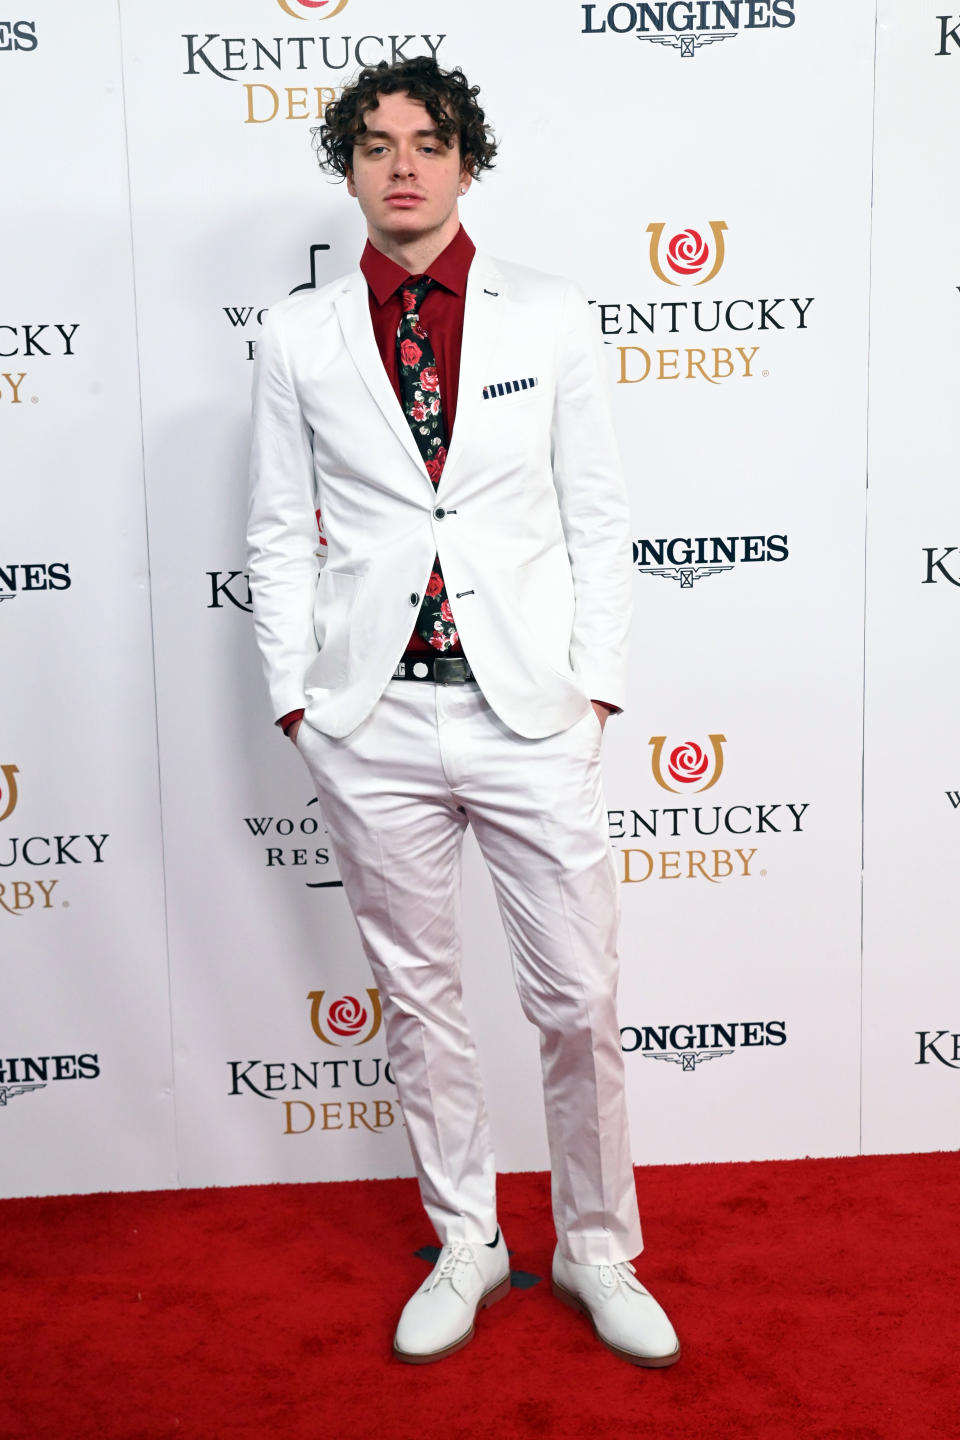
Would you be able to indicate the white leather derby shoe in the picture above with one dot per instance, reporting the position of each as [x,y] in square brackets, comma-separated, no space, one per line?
[439,1318]
[625,1316]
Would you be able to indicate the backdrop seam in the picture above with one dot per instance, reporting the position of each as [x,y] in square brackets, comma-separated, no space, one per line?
[866,527]
[153,642]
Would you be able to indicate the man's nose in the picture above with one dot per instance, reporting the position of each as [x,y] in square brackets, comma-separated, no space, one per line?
[403,164]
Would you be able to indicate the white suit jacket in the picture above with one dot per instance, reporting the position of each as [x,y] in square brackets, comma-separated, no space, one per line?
[530,519]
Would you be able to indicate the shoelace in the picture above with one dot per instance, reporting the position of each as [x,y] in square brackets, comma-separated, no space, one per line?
[457,1257]
[622,1274]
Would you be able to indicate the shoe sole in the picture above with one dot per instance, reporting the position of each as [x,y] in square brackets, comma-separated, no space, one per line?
[649,1362]
[497,1292]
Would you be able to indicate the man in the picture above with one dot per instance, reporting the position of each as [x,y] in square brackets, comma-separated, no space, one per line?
[449,657]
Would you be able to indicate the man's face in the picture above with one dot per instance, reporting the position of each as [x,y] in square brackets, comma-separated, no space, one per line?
[404,176]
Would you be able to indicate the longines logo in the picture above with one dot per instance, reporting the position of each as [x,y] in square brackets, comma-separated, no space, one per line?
[228,57]
[940,1045]
[687,560]
[936,567]
[688,25]
[26,1073]
[18,35]
[345,1021]
[20,895]
[21,579]
[691,1045]
[240,316]
[948,32]
[302,851]
[687,768]
[692,255]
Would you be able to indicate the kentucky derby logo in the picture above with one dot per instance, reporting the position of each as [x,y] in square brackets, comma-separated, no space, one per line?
[8,790]
[686,254]
[308,9]
[688,765]
[346,1021]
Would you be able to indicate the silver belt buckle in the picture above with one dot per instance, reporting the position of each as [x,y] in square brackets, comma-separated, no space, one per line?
[452,671]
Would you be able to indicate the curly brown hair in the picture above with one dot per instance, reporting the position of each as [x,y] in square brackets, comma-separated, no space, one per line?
[449,98]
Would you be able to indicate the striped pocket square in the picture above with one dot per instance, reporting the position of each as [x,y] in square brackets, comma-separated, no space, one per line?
[507,387]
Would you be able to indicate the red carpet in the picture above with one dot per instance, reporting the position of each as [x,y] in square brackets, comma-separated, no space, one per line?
[814,1299]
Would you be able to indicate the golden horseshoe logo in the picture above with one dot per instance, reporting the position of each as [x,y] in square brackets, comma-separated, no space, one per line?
[658,741]
[10,773]
[312,5]
[719,251]
[346,1017]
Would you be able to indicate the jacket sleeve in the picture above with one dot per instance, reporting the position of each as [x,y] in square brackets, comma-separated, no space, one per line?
[593,507]
[282,536]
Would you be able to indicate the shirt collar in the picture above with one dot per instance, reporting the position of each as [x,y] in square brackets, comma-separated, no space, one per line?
[450,268]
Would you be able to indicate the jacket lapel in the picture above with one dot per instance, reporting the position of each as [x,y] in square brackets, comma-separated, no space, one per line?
[483,314]
[353,312]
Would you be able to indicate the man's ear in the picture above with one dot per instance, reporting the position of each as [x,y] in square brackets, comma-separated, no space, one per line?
[351,188]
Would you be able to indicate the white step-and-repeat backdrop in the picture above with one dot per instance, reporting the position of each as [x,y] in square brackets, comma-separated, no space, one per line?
[757,197]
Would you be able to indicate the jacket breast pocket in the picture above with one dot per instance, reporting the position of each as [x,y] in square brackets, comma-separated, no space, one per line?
[333,607]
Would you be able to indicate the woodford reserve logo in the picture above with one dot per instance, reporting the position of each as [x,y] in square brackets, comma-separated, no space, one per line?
[688,256]
[347,1022]
[689,768]
[24,890]
[291,845]
[240,316]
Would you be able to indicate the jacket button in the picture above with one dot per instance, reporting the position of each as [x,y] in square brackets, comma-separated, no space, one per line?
[414,598]
[439,513]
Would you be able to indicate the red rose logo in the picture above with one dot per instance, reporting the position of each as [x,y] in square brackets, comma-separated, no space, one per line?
[419,411]
[408,300]
[438,641]
[434,584]
[347,1017]
[687,253]
[409,353]
[435,406]
[446,613]
[687,763]
[429,379]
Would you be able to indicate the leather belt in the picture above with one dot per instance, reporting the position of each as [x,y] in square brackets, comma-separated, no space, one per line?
[441,669]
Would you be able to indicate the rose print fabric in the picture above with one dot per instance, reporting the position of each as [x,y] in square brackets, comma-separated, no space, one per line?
[420,398]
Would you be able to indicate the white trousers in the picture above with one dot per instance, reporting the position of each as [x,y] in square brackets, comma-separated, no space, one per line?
[397,795]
